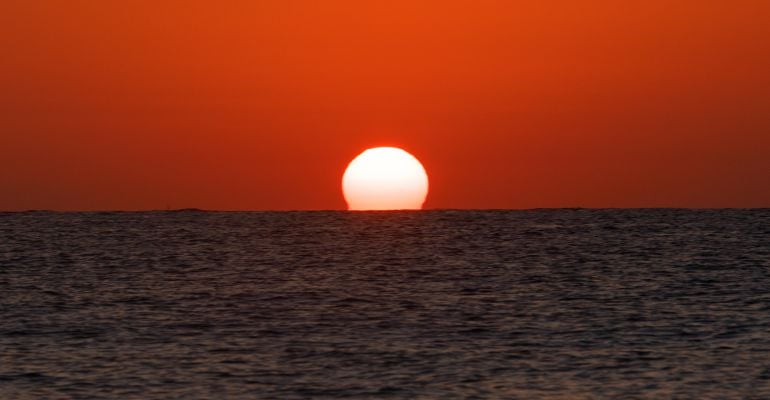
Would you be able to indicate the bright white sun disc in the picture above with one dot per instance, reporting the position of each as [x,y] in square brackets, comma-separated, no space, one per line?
[385,178]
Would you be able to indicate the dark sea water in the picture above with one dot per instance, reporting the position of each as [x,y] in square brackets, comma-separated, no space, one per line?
[551,304]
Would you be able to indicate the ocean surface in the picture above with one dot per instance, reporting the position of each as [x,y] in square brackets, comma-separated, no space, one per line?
[539,304]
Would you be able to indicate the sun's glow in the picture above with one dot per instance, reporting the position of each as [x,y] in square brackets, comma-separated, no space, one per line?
[385,178]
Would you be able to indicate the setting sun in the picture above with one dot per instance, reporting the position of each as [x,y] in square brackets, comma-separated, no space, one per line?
[385,178]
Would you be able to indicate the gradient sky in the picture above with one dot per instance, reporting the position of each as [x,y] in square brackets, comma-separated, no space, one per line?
[261,104]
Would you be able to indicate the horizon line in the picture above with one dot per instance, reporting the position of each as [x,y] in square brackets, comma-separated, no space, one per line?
[202,210]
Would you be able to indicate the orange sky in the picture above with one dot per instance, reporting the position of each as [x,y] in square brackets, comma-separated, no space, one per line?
[261,104]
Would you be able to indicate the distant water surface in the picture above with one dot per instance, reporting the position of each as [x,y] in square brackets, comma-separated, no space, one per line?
[434,304]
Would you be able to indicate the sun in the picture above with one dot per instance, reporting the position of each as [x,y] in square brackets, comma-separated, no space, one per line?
[385,178]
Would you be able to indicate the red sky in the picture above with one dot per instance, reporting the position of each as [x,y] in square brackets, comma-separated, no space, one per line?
[261,104]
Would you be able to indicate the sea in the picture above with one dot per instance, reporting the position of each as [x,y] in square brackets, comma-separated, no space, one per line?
[437,304]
